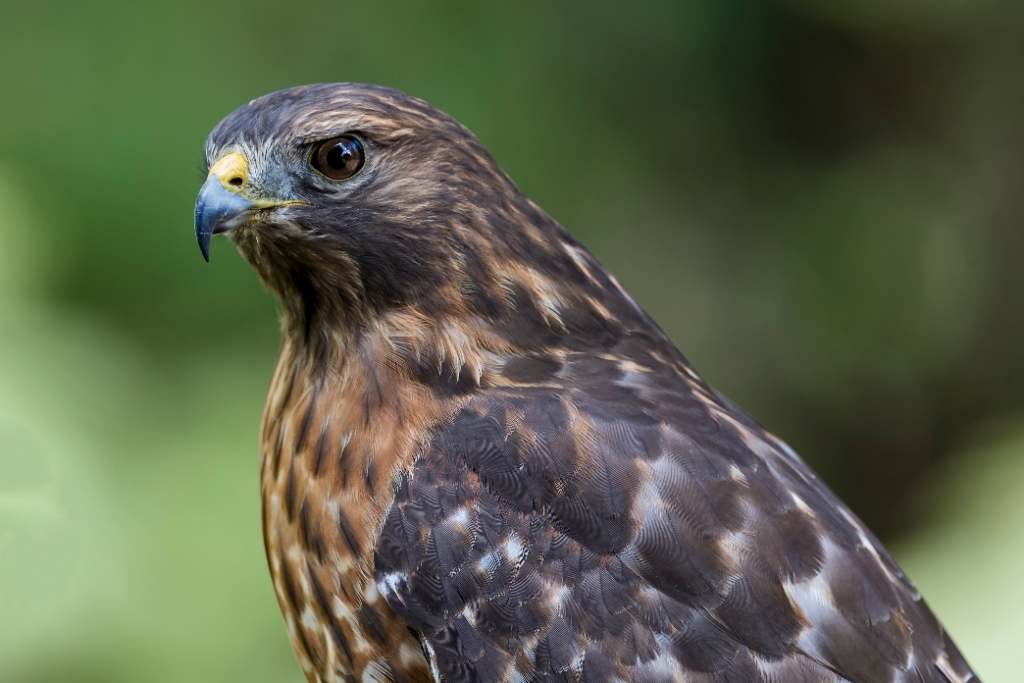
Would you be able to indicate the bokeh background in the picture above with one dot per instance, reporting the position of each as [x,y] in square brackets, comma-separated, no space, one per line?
[820,201]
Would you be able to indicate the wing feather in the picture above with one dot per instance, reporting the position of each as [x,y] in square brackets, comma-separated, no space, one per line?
[630,525]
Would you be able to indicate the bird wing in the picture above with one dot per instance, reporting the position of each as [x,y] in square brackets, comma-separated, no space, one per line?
[600,518]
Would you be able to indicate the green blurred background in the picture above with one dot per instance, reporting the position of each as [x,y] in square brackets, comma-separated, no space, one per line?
[820,201]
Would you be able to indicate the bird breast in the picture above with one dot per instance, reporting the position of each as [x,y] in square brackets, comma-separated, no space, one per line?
[332,446]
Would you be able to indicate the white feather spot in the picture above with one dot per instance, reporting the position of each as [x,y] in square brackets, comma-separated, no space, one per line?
[309,620]
[556,598]
[802,505]
[487,564]
[515,549]
[342,611]
[407,654]
[376,672]
[460,518]
[370,593]
[735,543]
[662,667]
[389,583]
[580,259]
[432,660]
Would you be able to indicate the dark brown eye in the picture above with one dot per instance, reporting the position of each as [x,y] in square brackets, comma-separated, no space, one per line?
[339,158]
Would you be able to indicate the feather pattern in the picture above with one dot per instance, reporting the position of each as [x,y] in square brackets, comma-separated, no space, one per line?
[482,461]
[619,522]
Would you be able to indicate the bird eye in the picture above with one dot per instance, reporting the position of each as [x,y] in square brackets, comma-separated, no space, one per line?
[338,158]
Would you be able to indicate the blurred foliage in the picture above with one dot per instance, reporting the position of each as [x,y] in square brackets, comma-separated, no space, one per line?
[967,563]
[819,201]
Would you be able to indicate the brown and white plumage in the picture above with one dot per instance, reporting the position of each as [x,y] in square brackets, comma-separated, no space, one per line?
[482,461]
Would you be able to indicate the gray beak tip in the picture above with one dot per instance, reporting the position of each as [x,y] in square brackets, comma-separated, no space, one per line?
[216,210]
[203,237]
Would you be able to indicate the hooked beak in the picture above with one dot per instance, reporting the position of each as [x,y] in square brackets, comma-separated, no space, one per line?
[221,205]
[223,202]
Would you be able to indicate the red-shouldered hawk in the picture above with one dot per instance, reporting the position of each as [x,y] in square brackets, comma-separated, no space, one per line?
[481,460]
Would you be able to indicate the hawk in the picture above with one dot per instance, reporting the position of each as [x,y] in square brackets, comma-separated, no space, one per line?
[481,460]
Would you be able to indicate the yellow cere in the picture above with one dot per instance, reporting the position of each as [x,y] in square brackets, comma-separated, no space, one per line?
[232,170]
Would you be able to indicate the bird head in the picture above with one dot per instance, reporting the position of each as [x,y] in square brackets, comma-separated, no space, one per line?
[351,201]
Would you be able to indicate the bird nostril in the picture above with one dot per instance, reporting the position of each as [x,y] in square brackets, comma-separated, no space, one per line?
[237,181]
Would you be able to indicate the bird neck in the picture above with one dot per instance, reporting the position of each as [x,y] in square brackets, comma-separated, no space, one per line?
[441,356]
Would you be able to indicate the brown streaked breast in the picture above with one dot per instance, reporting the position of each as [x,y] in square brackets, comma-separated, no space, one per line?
[332,446]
